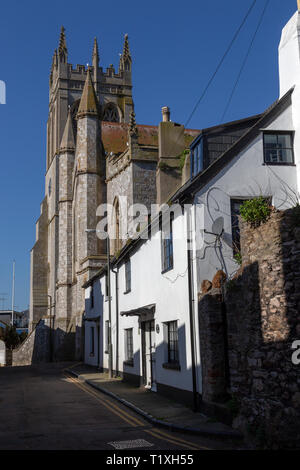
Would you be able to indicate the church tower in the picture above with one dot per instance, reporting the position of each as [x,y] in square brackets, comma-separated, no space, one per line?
[113,90]
[67,252]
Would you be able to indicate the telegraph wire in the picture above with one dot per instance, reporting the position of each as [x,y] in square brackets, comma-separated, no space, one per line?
[220,62]
[245,60]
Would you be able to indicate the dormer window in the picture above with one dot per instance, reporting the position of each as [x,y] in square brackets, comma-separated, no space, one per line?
[278,148]
[197,158]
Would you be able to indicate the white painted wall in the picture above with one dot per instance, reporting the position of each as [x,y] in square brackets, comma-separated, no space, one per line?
[289,75]
[96,318]
[169,292]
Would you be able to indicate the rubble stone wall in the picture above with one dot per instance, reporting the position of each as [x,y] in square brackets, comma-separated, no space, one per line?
[263,305]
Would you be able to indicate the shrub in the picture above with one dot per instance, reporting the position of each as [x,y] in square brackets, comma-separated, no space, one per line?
[23,336]
[238,258]
[11,338]
[255,211]
[163,166]
[182,158]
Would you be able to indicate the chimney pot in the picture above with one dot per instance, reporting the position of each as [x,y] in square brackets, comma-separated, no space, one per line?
[165,113]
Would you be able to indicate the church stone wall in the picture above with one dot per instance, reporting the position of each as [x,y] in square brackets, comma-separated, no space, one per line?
[121,187]
[39,269]
[144,183]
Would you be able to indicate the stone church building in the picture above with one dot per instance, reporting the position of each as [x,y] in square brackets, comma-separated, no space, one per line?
[96,153]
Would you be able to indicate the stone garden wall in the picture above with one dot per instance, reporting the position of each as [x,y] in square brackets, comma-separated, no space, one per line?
[262,306]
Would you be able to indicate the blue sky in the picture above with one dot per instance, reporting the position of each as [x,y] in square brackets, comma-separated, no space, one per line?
[175,47]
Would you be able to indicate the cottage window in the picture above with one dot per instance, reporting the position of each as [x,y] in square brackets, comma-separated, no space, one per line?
[167,245]
[129,345]
[278,148]
[173,354]
[127,276]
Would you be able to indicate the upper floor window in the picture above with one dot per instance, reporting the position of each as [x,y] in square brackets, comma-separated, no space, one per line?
[128,276]
[167,244]
[197,158]
[278,148]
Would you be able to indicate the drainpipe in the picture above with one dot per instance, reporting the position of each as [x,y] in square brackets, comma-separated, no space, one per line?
[117,320]
[191,311]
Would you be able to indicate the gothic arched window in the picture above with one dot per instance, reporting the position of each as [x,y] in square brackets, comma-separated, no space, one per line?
[117,240]
[127,66]
[111,113]
[74,110]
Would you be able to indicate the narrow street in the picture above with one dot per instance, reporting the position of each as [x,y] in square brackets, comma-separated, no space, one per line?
[44,408]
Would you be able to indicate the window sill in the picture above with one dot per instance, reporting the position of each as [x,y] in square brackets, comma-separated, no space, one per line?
[172,366]
[278,164]
[128,363]
[167,269]
[127,291]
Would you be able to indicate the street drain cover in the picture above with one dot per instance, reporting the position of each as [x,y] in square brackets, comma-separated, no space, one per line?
[130,444]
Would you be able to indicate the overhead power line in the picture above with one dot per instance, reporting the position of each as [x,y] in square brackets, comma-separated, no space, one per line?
[221,62]
[245,59]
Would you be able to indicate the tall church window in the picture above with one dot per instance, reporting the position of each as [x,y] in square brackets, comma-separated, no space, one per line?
[117,226]
[127,66]
[111,113]
[74,111]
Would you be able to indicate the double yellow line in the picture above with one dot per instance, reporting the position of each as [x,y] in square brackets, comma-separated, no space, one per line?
[132,420]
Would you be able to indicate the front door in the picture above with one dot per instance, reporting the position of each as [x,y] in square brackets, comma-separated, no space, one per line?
[148,349]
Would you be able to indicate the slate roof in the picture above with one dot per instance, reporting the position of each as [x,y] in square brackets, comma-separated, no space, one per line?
[188,190]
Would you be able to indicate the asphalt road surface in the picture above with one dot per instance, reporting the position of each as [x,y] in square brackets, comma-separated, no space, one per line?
[43,408]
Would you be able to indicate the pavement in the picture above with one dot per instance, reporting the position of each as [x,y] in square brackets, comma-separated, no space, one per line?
[46,408]
[154,407]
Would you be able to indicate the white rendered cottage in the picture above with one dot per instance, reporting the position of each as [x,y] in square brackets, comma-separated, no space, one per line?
[149,329]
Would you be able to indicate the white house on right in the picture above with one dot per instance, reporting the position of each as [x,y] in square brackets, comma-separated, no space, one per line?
[153,316]
[233,162]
